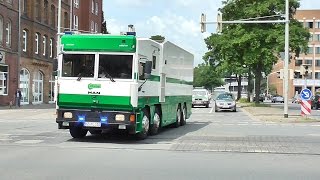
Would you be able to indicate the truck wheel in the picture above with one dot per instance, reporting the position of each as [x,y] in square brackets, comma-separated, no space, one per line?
[95,132]
[154,128]
[145,125]
[183,116]
[78,132]
[178,118]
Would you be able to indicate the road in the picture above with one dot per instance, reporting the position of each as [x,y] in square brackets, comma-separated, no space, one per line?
[222,145]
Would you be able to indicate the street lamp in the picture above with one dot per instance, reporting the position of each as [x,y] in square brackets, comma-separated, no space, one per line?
[286,60]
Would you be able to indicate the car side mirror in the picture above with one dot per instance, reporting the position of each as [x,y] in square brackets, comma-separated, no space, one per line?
[147,69]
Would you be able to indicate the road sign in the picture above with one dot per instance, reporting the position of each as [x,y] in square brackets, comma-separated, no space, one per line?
[305,94]
[305,107]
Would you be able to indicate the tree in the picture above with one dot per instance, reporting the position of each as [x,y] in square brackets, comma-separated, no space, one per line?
[255,46]
[206,76]
[104,29]
[158,38]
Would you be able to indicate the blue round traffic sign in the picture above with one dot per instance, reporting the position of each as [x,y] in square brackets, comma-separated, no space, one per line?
[306,94]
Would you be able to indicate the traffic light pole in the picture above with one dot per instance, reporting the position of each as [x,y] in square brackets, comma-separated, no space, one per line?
[250,21]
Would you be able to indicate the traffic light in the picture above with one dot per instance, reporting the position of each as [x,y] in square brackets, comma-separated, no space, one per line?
[219,23]
[203,23]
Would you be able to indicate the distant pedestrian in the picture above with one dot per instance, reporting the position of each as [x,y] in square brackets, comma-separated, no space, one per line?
[18,96]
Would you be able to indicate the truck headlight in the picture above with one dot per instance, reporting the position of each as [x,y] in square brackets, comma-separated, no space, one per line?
[67,115]
[120,117]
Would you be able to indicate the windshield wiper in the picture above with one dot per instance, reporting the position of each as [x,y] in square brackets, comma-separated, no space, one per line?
[110,77]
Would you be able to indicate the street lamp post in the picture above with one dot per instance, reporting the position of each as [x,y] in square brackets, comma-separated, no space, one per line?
[286,60]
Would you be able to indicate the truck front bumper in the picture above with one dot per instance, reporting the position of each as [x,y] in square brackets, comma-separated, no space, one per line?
[102,120]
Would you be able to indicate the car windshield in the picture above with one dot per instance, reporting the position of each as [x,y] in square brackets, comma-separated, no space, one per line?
[225,97]
[199,93]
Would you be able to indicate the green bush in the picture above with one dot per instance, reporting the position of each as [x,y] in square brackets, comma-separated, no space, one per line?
[243,100]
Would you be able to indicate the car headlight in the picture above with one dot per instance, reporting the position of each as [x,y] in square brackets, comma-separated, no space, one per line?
[67,115]
[120,117]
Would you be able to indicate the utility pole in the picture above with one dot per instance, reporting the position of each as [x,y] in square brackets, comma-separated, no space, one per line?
[257,21]
[286,61]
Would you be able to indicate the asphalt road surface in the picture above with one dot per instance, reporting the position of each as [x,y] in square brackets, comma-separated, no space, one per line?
[224,145]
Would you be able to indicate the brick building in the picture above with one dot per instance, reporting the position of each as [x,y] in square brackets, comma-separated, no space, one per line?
[311,20]
[9,13]
[38,36]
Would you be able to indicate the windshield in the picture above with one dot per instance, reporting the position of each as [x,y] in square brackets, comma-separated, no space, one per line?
[225,97]
[117,66]
[110,66]
[78,65]
[199,93]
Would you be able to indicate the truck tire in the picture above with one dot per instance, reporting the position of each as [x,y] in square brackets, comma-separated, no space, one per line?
[178,117]
[155,127]
[184,116]
[145,125]
[78,132]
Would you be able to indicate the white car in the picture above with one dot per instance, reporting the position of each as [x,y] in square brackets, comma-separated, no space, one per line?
[277,99]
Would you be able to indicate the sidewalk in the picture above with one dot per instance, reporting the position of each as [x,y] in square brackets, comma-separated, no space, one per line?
[275,114]
[30,106]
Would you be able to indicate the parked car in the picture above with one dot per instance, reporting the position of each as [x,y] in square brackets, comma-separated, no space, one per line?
[277,98]
[225,101]
[200,97]
[315,102]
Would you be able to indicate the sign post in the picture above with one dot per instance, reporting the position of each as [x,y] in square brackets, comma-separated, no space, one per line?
[305,95]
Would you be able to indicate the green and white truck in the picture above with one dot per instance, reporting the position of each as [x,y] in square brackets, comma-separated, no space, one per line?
[121,82]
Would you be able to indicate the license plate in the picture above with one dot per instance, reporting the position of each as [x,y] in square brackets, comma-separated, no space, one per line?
[92,124]
[122,126]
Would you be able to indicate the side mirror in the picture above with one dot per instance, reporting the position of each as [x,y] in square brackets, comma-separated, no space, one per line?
[147,69]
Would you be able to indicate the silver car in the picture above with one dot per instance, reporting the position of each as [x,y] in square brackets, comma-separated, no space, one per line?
[225,101]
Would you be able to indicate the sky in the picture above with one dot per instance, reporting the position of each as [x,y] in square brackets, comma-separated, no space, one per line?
[177,20]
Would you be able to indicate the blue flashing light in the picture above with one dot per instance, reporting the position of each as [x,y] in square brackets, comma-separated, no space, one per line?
[81,118]
[131,33]
[104,119]
[68,32]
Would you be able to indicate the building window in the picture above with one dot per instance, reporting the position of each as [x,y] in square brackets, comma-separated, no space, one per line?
[92,7]
[308,61]
[8,34]
[317,25]
[24,6]
[311,37]
[53,16]
[1,30]
[65,19]
[37,87]
[310,50]
[298,62]
[37,43]
[51,48]
[92,26]
[76,3]
[317,62]
[317,75]
[44,43]
[317,50]
[51,92]
[4,80]
[24,40]
[38,10]
[310,25]
[317,37]
[75,23]
[96,27]
[24,85]
[96,8]
[46,11]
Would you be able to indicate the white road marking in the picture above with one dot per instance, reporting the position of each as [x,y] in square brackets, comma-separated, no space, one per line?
[315,125]
[29,141]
